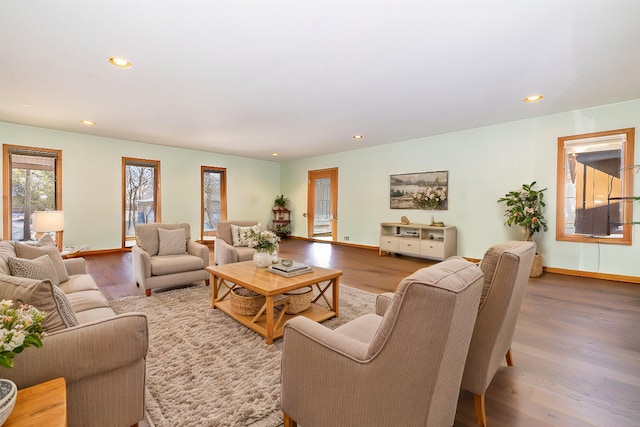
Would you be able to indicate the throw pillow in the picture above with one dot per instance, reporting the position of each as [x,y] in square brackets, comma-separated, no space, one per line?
[32,252]
[240,234]
[40,268]
[41,294]
[172,242]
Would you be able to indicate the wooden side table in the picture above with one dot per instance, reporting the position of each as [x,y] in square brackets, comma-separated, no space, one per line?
[43,404]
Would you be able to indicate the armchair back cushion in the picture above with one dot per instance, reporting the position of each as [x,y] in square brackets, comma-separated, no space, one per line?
[225,232]
[148,236]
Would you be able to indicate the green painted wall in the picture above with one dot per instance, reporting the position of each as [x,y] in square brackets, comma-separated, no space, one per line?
[92,183]
[483,164]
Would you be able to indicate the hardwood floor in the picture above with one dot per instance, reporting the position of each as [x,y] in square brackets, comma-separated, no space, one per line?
[576,346]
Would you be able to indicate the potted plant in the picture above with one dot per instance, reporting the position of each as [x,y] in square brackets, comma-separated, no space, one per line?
[280,202]
[282,230]
[524,209]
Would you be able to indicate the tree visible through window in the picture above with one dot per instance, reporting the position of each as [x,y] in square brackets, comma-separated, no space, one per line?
[141,193]
[32,178]
[214,199]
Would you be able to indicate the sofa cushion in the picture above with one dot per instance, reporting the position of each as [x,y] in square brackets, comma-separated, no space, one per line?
[7,249]
[40,268]
[87,300]
[43,295]
[32,252]
[169,264]
[79,283]
[240,234]
[172,242]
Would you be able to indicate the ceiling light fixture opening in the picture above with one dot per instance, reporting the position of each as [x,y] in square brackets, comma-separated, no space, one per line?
[88,122]
[274,154]
[119,62]
[533,98]
[358,136]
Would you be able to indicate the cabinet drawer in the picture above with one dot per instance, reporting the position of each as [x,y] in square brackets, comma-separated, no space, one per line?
[432,249]
[409,246]
[389,244]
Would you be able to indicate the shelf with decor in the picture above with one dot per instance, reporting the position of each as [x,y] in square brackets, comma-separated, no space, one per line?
[419,240]
[281,222]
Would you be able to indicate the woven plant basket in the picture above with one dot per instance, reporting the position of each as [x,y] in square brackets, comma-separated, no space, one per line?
[536,267]
[299,300]
[246,302]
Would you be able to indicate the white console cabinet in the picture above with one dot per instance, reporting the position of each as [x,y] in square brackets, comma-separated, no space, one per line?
[419,240]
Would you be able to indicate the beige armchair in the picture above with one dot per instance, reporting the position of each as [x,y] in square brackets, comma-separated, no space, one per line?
[225,252]
[165,256]
[506,270]
[400,369]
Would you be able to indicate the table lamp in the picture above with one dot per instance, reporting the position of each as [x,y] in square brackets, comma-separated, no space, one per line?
[47,222]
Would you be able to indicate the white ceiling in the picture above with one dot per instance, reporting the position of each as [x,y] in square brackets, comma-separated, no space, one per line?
[301,77]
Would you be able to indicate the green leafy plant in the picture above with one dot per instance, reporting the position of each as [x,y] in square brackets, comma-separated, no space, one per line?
[524,209]
[280,201]
[21,328]
[282,230]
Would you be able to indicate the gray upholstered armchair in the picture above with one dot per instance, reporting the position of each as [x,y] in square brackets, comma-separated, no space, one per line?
[506,269]
[402,368]
[225,251]
[165,256]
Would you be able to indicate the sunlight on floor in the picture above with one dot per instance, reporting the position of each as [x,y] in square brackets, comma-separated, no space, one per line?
[321,254]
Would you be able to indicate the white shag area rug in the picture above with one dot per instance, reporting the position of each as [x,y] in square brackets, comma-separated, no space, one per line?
[206,369]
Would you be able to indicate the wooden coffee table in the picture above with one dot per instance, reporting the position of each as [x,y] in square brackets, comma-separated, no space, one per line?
[226,277]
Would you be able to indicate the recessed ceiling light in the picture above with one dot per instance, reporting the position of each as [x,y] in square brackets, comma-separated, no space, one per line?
[358,136]
[119,62]
[87,122]
[274,154]
[533,98]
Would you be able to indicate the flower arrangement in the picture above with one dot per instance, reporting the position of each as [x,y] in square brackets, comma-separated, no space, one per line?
[263,241]
[21,328]
[524,208]
[430,197]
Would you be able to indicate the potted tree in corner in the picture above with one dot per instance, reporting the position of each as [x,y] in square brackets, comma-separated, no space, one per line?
[524,209]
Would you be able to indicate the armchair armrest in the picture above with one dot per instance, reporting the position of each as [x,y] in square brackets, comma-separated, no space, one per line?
[304,332]
[75,266]
[141,264]
[224,252]
[383,301]
[83,351]
[199,250]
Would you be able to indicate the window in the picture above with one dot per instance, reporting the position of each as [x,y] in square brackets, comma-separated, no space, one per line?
[33,178]
[595,187]
[140,195]
[213,200]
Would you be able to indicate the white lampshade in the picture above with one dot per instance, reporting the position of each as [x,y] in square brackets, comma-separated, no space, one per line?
[46,221]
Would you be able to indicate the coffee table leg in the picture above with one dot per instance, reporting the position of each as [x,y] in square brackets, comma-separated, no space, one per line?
[336,295]
[214,293]
[270,322]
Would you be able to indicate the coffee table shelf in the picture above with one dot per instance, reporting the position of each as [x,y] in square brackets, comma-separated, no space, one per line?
[316,313]
[270,324]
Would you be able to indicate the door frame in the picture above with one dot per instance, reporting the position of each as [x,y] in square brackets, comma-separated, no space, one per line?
[332,174]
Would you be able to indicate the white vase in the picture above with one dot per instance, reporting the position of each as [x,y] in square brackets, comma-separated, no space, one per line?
[8,395]
[262,259]
[274,257]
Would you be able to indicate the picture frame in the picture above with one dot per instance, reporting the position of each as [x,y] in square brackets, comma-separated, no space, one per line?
[419,190]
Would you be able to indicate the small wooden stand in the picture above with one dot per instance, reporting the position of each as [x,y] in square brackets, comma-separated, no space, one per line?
[43,404]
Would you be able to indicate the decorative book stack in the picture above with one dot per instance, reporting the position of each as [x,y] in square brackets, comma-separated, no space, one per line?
[294,269]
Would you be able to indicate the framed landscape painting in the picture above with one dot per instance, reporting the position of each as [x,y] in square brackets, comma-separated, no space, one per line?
[421,190]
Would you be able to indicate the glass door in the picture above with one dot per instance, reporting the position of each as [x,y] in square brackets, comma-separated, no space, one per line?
[322,204]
